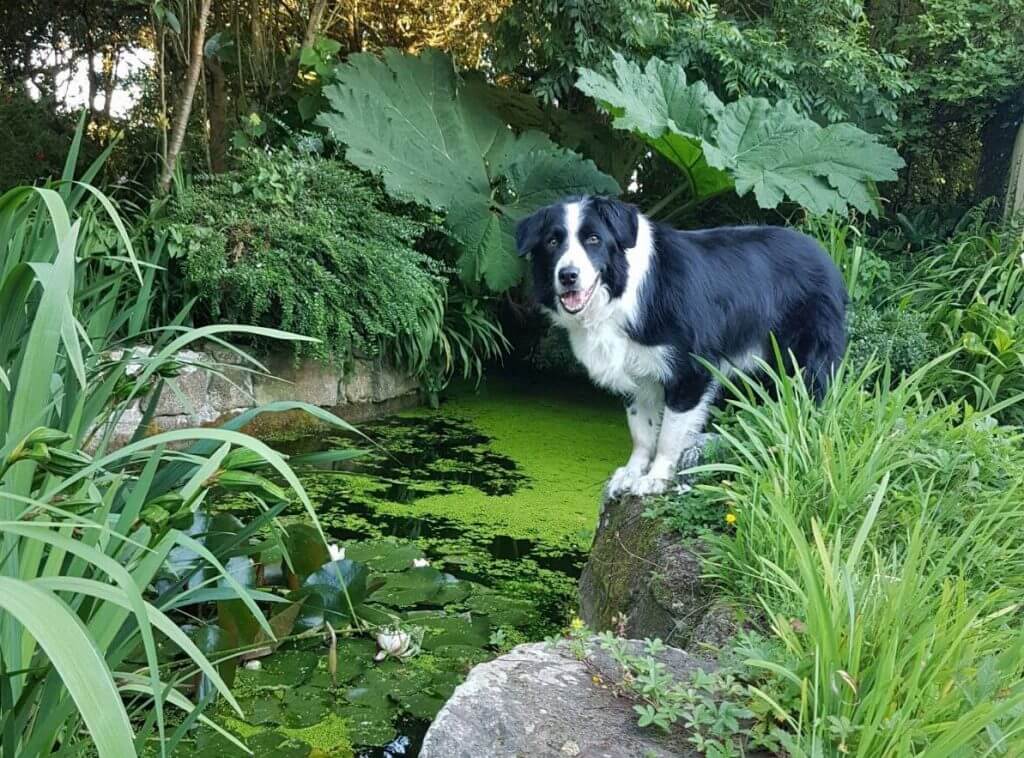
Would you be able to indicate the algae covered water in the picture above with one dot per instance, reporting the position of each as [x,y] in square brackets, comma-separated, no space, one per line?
[472,522]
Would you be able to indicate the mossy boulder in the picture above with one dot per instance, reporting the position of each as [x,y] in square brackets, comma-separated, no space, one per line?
[644,581]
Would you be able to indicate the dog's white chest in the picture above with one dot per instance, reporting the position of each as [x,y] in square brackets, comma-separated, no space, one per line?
[616,362]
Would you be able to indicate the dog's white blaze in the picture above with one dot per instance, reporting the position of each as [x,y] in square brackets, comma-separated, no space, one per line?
[639,259]
[574,254]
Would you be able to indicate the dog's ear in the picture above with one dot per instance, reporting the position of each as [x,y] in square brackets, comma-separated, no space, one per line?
[621,218]
[529,232]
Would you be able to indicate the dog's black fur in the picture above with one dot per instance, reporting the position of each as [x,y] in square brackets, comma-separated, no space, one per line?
[714,293]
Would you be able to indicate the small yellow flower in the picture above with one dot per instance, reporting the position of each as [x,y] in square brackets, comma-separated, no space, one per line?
[576,624]
[730,518]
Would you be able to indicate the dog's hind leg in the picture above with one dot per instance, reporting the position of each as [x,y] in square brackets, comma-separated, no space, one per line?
[643,413]
[686,412]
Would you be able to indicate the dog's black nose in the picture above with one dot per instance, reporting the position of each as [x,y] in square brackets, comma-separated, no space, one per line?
[568,276]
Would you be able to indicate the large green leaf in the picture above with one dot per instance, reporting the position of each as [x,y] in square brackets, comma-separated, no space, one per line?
[749,144]
[657,105]
[776,152]
[64,639]
[408,119]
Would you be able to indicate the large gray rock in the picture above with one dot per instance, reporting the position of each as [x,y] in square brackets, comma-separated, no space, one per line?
[643,581]
[538,701]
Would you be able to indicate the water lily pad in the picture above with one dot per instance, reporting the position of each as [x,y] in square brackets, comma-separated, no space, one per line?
[307,551]
[209,743]
[410,587]
[305,706]
[502,610]
[367,726]
[462,654]
[278,745]
[353,658]
[323,596]
[384,555]
[420,706]
[289,667]
[377,615]
[263,709]
[371,691]
[452,591]
[463,629]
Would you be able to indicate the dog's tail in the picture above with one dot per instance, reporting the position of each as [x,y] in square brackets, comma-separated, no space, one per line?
[826,346]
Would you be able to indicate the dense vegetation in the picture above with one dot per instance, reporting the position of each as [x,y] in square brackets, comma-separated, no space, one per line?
[351,172]
[307,245]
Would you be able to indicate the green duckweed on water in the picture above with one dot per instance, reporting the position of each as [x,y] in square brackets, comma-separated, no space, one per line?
[499,490]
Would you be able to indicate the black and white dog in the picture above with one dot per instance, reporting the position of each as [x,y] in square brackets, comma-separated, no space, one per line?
[640,300]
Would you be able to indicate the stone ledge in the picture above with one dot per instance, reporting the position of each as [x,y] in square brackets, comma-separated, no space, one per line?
[212,387]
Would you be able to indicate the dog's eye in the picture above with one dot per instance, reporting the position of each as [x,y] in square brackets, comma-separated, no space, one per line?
[553,243]
[593,239]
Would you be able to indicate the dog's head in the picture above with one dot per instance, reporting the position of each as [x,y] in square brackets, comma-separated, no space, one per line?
[578,248]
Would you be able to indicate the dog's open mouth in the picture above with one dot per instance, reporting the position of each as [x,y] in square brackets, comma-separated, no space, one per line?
[577,300]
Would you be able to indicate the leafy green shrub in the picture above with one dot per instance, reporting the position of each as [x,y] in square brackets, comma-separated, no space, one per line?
[552,354]
[309,245]
[880,533]
[972,290]
[893,336]
[36,138]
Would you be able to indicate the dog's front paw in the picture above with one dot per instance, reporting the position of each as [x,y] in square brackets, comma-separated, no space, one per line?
[649,485]
[623,480]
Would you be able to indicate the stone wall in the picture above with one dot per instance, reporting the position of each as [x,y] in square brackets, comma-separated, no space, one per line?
[215,384]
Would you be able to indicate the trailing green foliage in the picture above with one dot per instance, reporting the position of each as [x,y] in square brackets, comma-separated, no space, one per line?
[408,119]
[309,245]
[748,144]
[894,337]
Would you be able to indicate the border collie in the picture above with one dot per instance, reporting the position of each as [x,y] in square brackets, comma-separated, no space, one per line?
[641,301]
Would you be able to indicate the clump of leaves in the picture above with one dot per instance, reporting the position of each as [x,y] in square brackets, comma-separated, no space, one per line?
[711,706]
[409,120]
[750,144]
[310,245]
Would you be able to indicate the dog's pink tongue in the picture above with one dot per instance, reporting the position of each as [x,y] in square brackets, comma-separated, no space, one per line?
[572,300]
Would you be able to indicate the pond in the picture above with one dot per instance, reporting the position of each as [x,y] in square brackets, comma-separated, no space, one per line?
[471,523]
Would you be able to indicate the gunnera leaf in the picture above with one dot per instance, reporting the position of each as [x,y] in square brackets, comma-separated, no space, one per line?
[748,145]
[409,120]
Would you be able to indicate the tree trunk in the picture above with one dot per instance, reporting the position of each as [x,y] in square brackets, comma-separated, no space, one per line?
[1001,152]
[217,112]
[111,57]
[1014,202]
[184,108]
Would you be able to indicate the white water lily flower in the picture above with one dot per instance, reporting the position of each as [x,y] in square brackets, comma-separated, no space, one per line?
[396,644]
[253,665]
[336,553]
[420,563]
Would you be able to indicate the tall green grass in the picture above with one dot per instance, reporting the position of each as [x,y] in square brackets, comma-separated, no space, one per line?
[78,553]
[882,535]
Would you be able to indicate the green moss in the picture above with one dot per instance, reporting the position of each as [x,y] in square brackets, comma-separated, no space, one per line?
[330,736]
[567,443]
